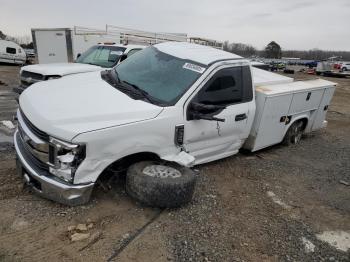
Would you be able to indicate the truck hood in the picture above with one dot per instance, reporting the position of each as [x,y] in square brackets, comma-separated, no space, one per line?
[61,69]
[81,103]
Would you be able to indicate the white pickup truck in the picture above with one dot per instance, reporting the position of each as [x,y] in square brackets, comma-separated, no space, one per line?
[104,55]
[172,102]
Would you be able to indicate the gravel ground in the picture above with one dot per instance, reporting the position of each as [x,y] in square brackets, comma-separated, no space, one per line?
[265,206]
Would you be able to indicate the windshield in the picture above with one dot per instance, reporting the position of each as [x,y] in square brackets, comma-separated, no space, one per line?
[164,77]
[104,56]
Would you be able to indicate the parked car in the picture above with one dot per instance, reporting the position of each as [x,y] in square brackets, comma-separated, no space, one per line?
[30,53]
[11,53]
[169,106]
[96,58]
[260,65]
[345,66]
[311,64]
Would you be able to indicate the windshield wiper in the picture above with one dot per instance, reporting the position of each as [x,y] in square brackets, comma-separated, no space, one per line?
[140,91]
[111,77]
[115,75]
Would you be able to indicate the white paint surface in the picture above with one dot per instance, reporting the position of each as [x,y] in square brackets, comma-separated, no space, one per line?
[198,53]
[338,239]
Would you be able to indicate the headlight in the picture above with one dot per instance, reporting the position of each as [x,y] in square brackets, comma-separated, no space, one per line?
[64,158]
[52,77]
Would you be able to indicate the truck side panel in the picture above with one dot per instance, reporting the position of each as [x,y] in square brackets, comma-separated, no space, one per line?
[278,106]
[323,108]
[271,129]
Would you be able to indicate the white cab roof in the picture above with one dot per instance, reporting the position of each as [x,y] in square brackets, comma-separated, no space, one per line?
[263,77]
[197,53]
[206,55]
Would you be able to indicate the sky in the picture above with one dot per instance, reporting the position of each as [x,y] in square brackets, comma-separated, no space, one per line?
[294,24]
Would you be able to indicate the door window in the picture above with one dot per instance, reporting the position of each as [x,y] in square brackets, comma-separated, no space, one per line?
[10,50]
[228,86]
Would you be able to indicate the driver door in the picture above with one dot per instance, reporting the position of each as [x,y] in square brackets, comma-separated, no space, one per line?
[208,140]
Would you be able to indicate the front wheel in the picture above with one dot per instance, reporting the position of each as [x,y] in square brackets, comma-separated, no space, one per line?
[159,185]
[294,133]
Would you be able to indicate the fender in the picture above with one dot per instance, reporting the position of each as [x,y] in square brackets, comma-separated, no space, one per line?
[304,115]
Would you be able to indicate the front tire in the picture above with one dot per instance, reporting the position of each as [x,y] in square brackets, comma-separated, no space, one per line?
[294,133]
[158,185]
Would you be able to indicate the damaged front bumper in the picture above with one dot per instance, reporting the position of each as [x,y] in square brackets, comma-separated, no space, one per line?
[47,185]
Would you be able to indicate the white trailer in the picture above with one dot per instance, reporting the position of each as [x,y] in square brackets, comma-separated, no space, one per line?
[62,45]
[11,53]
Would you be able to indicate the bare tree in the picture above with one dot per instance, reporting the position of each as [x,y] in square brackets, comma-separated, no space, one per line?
[2,35]
[240,49]
[273,50]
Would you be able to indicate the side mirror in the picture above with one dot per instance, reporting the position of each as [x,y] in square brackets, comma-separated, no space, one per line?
[78,55]
[197,111]
[122,57]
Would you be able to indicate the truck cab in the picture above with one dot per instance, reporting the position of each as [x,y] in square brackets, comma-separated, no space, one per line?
[104,55]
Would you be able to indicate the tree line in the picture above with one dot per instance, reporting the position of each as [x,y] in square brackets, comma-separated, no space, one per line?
[274,50]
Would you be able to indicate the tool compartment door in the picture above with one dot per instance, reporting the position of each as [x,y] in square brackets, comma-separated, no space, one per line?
[271,130]
[323,108]
[306,101]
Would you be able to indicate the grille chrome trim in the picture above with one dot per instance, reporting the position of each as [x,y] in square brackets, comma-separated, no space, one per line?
[35,148]
[38,164]
[33,129]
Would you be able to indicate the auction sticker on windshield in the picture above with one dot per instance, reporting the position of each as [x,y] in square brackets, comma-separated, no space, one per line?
[194,67]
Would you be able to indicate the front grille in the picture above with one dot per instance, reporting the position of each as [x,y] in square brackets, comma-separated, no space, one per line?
[36,163]
[25,84]
[35,76]
[42,135]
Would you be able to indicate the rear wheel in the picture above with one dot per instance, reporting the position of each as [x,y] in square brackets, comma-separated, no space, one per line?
[294,133]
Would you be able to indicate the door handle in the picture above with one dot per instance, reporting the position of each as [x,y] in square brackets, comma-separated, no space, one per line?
[240,117]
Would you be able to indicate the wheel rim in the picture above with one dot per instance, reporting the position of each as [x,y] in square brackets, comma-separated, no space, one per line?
[161,171]
[297,133]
